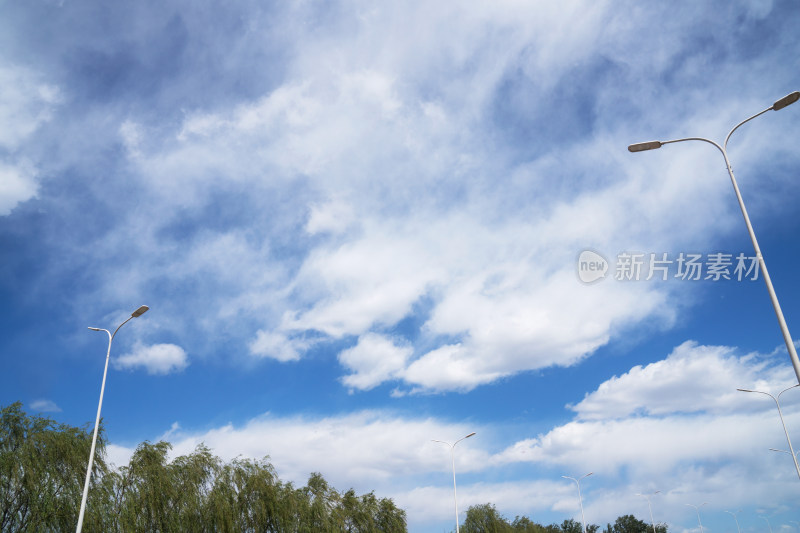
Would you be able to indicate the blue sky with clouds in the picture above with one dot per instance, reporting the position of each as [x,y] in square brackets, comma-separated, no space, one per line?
[358,225]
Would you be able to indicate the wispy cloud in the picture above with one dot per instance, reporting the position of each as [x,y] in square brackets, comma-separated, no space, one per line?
[45,406]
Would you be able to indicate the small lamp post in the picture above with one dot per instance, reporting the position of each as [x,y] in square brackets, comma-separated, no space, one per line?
[139,312]
[580,498]
[453,459]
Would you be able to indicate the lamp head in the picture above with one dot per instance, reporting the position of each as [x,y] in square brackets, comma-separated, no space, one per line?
[139,312]
[789,99]
[641,147]
[95,329]
[471,434]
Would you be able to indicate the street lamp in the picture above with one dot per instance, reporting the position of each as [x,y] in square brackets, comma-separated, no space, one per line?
[139,312]
[650,507]
[780,104]
[734,517]
[453,459]
[767,520]
[696,508]
[580,498]
[778,405]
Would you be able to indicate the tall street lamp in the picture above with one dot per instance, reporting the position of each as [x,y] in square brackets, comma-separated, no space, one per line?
[778,405]
[453,459]
[778,105]
[734,517]
[139,312]
[580,498]
[696,508]
[650,507]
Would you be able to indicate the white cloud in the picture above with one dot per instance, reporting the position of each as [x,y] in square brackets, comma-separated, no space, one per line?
[45,406]
[158,359]
[17,184]
[275,346]
[691,379]
[375,359]
[371,447]
[25,104]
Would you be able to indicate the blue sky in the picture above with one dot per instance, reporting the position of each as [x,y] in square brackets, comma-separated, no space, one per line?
[357,226]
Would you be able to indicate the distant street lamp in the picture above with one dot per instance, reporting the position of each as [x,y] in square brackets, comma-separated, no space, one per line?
[650,507]
[734,517]
[778,405]
[696,508]
[580,498]
[767,520]
[139,312]
[778,105]
[453,459]
[782,451]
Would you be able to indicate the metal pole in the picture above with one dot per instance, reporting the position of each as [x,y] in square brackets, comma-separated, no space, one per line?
[140,311]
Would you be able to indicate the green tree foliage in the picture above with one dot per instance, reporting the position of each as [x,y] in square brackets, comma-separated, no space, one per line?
[43,466]
[42,469]
[630,524]
[485,519]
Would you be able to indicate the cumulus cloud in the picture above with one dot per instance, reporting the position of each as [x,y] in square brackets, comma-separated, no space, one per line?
[375,359]
[693,378]
[690,447]
[157,359]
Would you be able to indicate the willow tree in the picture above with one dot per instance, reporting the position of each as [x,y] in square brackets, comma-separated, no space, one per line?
[42,468]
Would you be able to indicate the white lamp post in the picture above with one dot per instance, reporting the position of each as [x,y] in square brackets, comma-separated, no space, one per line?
[696,508]
[580,498]
[653,522]
[453,459]
[778,405]
[140,311]
[734,517]
[767,520]
[778,105]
